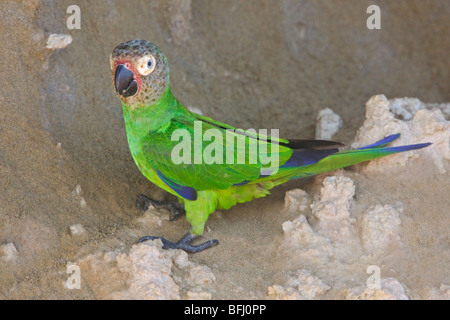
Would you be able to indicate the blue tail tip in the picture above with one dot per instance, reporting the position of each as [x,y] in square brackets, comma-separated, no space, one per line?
[408,147]
[424,145]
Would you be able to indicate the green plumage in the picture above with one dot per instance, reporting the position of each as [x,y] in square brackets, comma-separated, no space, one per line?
[153,115]
[149,132]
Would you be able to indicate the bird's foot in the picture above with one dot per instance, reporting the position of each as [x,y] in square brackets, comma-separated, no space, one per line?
[175,208]
[183,243]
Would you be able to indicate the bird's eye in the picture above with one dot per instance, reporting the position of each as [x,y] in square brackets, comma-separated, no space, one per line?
[146,65]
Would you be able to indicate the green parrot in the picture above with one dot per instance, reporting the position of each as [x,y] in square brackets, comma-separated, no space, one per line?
[233,168]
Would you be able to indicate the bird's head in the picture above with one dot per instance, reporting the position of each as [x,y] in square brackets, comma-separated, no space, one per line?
[140,72]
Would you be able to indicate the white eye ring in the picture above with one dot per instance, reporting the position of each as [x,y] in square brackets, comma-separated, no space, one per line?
[146,65]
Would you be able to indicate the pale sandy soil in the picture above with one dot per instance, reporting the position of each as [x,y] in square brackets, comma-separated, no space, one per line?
[68,183]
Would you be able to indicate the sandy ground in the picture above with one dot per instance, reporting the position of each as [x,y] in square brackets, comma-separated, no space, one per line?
[64,159]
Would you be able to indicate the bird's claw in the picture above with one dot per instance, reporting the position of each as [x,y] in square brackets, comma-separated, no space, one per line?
[175,208]
[183,243]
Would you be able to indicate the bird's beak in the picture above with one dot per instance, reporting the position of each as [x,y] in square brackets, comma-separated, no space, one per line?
[124,82]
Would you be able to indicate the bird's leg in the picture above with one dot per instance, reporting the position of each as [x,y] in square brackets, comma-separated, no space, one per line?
[175,208]
[183,243]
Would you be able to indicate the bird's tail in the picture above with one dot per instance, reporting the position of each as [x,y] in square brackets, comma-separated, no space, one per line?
[347,158]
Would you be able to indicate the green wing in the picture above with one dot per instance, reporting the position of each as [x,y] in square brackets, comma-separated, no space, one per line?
[237,154]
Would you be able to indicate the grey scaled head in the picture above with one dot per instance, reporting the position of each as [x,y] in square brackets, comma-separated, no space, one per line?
[140,72]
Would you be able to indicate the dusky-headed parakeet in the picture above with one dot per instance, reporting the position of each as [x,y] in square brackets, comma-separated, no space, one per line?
[234,167]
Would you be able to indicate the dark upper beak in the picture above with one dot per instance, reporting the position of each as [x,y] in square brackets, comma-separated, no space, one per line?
[124,81]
